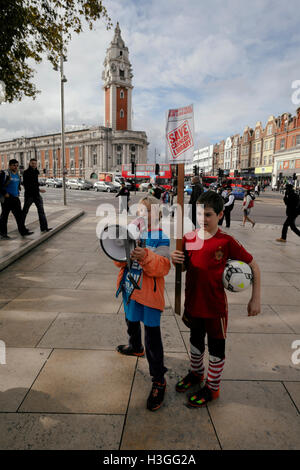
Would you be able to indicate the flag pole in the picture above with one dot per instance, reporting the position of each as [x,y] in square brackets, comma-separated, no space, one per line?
[179,232]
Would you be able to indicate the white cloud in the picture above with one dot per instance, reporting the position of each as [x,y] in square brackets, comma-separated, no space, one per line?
[235,62]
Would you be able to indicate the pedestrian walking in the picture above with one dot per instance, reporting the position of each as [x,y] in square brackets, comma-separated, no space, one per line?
[150,265]
[248,203]
[292,202]
[197,190]
[228,207]
[165,197]
[205,307]
[10,186]
[32,194]
[125,196]
[157,191]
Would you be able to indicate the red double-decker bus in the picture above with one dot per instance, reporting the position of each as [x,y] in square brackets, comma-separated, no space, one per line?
[145,172]
[240,182]
[207,180]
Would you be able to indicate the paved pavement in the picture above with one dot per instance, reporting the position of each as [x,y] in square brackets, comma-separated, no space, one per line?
[63,386]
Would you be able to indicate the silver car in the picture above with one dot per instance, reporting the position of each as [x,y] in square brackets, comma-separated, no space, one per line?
[76,183]
[100,186]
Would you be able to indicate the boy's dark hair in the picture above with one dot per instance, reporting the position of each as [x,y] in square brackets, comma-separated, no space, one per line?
[13,161]
[213,200]
[33,160]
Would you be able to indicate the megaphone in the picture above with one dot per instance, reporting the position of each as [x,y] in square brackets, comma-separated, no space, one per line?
[118,241]
[113,241]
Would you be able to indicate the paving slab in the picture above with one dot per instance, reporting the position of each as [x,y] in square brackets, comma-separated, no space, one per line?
[27,431]
[266,322]
[31,261]
[17,375]
[255,416]
[78,381]
[293,279]
[290,315]
[293,389]
[11,250]
[269,295]
[173,426]
[9,293]
[275,279]
[89,331]
[21,329]
[64,300]
[39,279]
[92,331]
[95,281]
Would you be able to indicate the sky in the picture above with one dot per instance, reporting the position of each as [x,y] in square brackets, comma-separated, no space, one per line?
[234,60]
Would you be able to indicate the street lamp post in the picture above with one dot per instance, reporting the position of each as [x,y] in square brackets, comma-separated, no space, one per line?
[63,80]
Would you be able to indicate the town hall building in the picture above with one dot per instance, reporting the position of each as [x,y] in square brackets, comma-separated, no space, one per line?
[90,150]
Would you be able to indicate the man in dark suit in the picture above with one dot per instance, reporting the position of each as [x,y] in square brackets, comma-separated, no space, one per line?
[32,194]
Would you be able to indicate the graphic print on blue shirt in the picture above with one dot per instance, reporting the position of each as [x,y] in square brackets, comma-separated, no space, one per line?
[13,186]
[136,270]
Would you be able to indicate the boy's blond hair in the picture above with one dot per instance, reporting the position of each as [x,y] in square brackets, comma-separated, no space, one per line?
[152,201]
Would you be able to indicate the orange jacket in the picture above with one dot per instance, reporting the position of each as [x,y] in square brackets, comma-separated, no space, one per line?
[155,267]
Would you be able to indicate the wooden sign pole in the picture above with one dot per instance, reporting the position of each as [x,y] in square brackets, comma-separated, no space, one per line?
[179,217]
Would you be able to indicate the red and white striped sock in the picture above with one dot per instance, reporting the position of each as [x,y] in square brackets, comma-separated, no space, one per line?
[197,364]
[215,369]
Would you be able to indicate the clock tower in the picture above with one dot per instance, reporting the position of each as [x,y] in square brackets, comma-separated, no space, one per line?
[117,86]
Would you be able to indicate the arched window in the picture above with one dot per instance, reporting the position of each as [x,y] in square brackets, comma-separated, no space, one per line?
[122,94]
[121,113]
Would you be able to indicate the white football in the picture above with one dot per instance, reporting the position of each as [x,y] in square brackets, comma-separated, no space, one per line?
[237,276]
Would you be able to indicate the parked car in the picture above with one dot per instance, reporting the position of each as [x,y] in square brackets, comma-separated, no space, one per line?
[76,183]
[100,186]
[42,181]
[53,182]
[111,188]
[87,184]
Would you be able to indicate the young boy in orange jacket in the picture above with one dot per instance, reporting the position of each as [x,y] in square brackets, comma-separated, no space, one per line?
[150,265]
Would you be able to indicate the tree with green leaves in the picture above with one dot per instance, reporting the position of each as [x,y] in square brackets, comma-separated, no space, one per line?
[30,29]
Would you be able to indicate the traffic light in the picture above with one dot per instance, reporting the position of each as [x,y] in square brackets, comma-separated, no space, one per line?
[195,170]
[201,172]
[220,172]
[280,176]
[132,168]
[294,176]
[157,169]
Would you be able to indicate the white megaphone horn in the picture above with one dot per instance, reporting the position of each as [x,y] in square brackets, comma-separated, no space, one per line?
[118,241]
[115,238]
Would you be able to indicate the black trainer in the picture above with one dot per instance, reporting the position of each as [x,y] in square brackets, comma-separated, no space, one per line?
[156,396]
[4,237]
[128,350]
[192,378]
[46,230]
[27,233]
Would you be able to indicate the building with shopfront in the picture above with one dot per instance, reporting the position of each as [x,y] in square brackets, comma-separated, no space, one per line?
[287,149]
[203,159]
[95,149]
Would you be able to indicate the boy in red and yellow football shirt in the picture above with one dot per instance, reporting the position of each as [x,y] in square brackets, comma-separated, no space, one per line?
[205,253]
